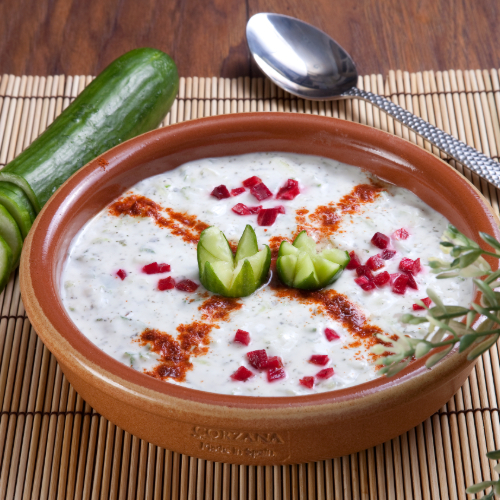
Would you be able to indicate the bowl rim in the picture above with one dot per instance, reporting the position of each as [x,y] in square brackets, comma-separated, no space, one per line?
[71,347]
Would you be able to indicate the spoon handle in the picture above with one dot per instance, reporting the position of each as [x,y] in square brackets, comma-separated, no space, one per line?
[479,163]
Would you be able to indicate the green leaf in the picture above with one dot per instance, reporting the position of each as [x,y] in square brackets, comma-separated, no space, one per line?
[488,293]
[435,298]
[492,277]
[470,318]
[447,244]
[394,369]
[484,312]
[493,455]
[413,320]
[448,274]
[490,240]
[483,347]
[466,341]
[435,358]
[469,258]
[422,349]
[476,488]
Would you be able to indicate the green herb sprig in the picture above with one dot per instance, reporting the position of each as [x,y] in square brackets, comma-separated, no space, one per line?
[477,327]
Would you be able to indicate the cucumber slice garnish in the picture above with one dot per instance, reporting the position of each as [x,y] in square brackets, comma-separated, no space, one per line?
[228,275]
[5,263]
[300,266]
[9,231]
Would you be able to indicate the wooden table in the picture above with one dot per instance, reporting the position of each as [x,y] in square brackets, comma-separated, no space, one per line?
[207,37]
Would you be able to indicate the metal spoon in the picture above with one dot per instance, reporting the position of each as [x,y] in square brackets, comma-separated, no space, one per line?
[307,63]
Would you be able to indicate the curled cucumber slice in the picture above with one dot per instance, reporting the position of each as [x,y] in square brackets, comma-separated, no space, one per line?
[10,232]
[5,263]
[300,266]
[225,274]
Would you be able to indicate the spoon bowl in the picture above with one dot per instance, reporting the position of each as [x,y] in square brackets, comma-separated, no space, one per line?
[299,58]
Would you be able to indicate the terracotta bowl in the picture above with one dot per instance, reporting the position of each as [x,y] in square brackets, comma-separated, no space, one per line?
[239,429]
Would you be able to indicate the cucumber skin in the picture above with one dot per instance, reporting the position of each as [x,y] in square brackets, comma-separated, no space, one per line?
[130,97]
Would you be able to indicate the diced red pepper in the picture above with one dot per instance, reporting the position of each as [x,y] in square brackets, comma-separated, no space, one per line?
[411,281]
[275,374]
[280,209]
[255,210]
[380,240]
[400,234]
[187,286]
[166,284]
[399,282]
[307,382]
[325,373]
[155,268]
[289,191]
[409,265]
[365,283]
[319,359]
[242,337]
[331,334]
[381,279]
[237,191]
[388,254]
[427,301]
[121,273]
[258,359]
[241,209]
[242,374]
[274,362]
[354,263]
[220,192]
[260,191]
[252,181]
[267,216]
[364,271]
[375,262]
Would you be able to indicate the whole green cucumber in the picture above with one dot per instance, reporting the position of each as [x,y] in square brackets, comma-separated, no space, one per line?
[130,97]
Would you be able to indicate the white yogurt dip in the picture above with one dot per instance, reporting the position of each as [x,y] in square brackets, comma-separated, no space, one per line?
[113,313]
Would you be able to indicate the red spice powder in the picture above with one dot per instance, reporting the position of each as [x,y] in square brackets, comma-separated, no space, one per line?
[175,353]
[326,219]
[187,227]
[339,308]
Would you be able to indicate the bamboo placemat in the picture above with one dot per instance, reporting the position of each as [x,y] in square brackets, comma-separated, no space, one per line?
[54,445]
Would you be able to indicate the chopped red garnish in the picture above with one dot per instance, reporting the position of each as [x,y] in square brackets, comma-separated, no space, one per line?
[375,262]
[155,268]
[242,374]
[121,273]
[289,191]
[241,209]
[252,181]
[354,263]
[242,337]
[380,240]
[319,359]
[255,210]
[364,271]
[399,282]
[325,373]
[418,307]
[187,286]
[166,284]
[411,281]
[260,191]
[237,191]
[331,334]
[307,382]
[400,234]
[365,283]
[381,279]
[410,266]
[274,362]
[388,254]
[275,374]
[280,209]
[258,359]
[267,216]
[220,192]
